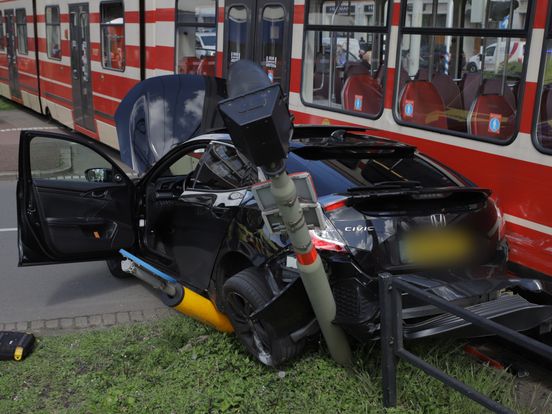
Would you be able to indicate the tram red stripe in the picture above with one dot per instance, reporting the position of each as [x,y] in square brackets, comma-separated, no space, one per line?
[529,248]
[49,88]
[156,58]
[307,258]
[219,64]
[529,99]
[107,106]
[299,14]
[540,14]
[295,78]
[55,71]
[112,85]
[85,131]
[396,14]
[105,120]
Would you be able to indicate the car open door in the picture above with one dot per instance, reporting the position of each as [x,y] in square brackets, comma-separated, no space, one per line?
[74,203]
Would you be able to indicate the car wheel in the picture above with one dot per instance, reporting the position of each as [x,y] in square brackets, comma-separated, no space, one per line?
[114,266]
[244,293]
[472,67]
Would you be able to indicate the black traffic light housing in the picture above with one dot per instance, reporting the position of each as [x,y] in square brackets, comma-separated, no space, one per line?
[256,115]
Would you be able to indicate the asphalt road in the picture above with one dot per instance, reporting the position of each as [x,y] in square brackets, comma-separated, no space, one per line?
[52,291]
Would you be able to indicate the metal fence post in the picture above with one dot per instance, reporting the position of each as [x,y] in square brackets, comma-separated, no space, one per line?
[388,358]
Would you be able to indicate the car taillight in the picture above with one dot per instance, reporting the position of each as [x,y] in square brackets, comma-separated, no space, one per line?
[328,238]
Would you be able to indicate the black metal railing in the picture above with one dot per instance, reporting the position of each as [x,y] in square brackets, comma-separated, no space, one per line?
[390,289]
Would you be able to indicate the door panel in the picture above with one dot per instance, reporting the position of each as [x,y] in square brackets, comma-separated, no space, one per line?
[191,202]
[65,213]
[80,66]
[260,30]
[12,54]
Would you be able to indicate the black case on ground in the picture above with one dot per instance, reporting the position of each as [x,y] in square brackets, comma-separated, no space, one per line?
[15,345]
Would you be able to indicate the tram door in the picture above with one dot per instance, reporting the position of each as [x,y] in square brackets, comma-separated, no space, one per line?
[83,109]
[12,55]
[260,30]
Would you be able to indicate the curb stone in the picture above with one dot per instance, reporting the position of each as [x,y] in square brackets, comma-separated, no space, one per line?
[87,322]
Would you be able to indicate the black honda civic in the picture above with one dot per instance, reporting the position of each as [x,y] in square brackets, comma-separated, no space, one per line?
[181,209]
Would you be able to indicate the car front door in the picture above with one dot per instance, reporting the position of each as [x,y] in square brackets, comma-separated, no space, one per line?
[74,203]
[191,205]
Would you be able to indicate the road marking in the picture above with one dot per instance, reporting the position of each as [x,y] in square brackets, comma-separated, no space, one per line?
[8,229]
[27,129]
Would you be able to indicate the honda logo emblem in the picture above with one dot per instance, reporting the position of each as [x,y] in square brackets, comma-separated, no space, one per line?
[438,220]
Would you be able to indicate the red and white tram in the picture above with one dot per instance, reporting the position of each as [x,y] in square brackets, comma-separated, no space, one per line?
[469,82]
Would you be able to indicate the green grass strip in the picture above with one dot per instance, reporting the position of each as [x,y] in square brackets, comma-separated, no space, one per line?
[178,365]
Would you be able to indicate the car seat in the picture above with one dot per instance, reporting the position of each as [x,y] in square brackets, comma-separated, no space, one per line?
[449,92]
[362,93]
[491,116]
[421,104]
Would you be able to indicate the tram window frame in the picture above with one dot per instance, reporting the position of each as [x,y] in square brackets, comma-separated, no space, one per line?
[2,33]
[18,24]
[383,30]
[54,25]
[195,25]
[524,33]
[104,26]
[540,85]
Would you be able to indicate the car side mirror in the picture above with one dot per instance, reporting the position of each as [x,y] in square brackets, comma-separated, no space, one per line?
[99,175]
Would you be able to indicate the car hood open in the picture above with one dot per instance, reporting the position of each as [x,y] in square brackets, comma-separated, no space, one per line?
[164,111]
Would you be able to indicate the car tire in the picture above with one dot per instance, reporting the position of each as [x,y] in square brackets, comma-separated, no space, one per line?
[472,68]
[243,293]
[114,266]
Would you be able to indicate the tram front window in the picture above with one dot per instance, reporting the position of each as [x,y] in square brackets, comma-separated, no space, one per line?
[237,34]
[196,37]
[344,70]
[272,42]
[468,84]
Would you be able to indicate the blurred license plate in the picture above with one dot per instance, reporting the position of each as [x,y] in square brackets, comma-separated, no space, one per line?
[435,247]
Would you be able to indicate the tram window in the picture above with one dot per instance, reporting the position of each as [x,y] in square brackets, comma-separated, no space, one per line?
[238,36]
[21,23]
[196,37]
[344,70]
[466,14]
[112,26]
[272,42]
[53,32]
[2,38]
[543,131]
[465,84]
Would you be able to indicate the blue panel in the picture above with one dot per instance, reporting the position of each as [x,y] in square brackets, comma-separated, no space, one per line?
[147,266]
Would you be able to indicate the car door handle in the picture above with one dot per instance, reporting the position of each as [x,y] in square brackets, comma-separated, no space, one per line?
[98,194]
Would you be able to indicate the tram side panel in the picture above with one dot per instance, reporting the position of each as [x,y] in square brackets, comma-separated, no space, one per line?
[18,65]
[89,59]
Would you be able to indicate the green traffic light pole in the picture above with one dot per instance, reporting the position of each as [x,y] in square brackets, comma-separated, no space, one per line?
[260,127]
[310,265]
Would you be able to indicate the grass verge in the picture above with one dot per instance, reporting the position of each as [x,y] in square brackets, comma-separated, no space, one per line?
[5,104]
[179,366]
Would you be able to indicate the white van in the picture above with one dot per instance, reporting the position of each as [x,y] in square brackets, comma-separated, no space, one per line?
[495,51]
